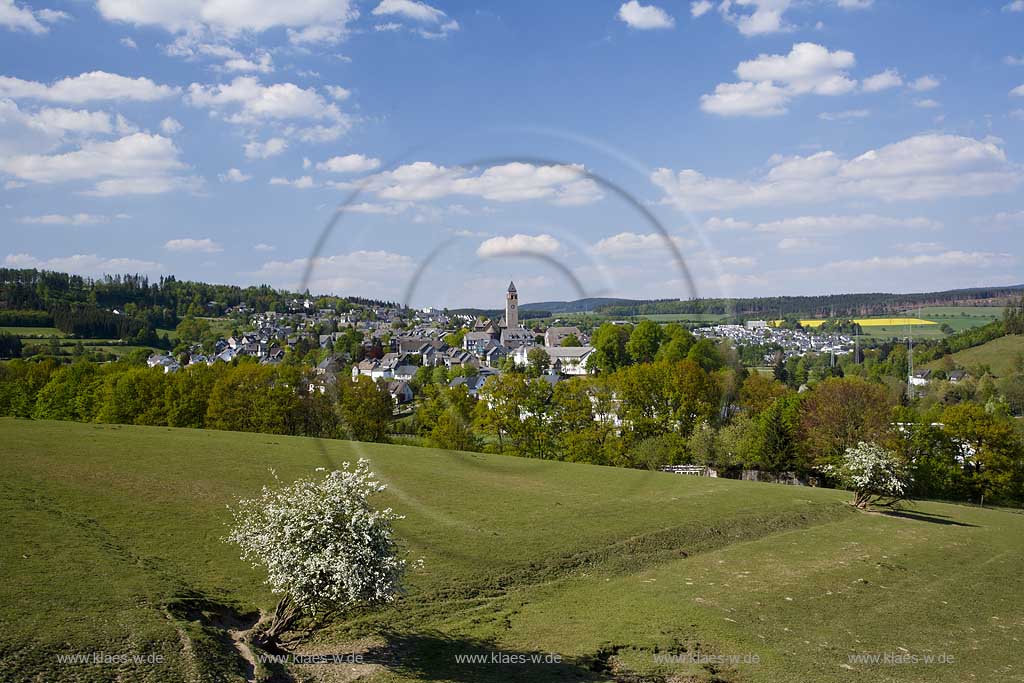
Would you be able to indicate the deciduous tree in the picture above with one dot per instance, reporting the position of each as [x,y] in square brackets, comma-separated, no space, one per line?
[323,544]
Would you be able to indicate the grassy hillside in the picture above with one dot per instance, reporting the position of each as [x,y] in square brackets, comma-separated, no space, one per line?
[959,317]
[33,332]
[113,545]
[999,354]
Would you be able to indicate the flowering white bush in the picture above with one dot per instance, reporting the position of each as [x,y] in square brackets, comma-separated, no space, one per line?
[322,544]
[872,472]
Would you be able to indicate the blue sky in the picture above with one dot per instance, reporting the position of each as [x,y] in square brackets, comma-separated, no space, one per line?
[783,146]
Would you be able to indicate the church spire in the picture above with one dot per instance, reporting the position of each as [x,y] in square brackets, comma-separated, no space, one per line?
[511,307]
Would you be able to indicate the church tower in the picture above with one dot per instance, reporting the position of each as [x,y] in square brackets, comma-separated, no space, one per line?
[511,307]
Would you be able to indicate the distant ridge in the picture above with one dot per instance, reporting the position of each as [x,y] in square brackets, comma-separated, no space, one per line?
[585,305]
[824,305]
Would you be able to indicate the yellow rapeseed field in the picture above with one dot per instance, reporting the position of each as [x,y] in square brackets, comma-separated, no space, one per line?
[869,322]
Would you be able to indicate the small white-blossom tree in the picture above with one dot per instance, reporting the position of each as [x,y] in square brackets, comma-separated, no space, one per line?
[874,474]
[322,543]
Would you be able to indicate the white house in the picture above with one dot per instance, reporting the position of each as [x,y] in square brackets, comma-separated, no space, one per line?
[567,360]
[920,379]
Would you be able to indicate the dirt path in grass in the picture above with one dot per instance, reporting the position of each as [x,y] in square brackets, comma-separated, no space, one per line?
[238,639]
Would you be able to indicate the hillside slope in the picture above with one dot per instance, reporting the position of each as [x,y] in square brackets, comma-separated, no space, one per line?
[114,546]
[999,355]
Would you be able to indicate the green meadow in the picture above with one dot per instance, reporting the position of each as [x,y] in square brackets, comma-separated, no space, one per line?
[1000,355]
[114,546]
[959,317]
[33,332]
[695,318]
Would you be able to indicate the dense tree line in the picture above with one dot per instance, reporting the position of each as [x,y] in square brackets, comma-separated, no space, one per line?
[243,396]
[662,397]
[650,415]
[10,345]
[965,339]
[40,290]
[1013,317]
[824,306]
[669,411]
[19,318]
[82,320]
[130,307]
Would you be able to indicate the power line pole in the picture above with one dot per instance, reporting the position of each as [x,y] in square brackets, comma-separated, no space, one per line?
[910,361]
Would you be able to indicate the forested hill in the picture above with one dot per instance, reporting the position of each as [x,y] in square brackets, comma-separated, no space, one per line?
[587,305]
[130,306]
[57,295]
[545,309]
[40,290]
[821,306]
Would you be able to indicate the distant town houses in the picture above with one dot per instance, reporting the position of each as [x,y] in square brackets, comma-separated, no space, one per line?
[791,342]
[166,363]
[391,344]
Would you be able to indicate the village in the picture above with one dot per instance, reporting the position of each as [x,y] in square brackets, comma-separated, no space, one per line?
[391,343]
[790,342]
[396,343]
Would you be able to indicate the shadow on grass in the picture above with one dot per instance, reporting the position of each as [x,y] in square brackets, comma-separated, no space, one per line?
[926,517]
[220,645]
[434,656]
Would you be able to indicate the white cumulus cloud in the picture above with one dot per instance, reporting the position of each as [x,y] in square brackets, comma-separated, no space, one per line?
[303,183]
[204,245]
[171,126]
[518,244]
[265,150]
[21,18]
[767,15]
[420,12]
[91,86]
[135,164]
[306,20]
[338,93]
[562,184]
[844,115]
[923,167]
[233,175]
[84,264]
[645,17]
[245,100]
[350,163]
[769,82]
[890,78]
[699,8]
[632,245]
[356,272]
[924,83]
[68,219]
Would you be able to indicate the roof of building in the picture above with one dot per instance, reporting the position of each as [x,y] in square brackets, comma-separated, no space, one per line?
[472,383]
[568,351]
